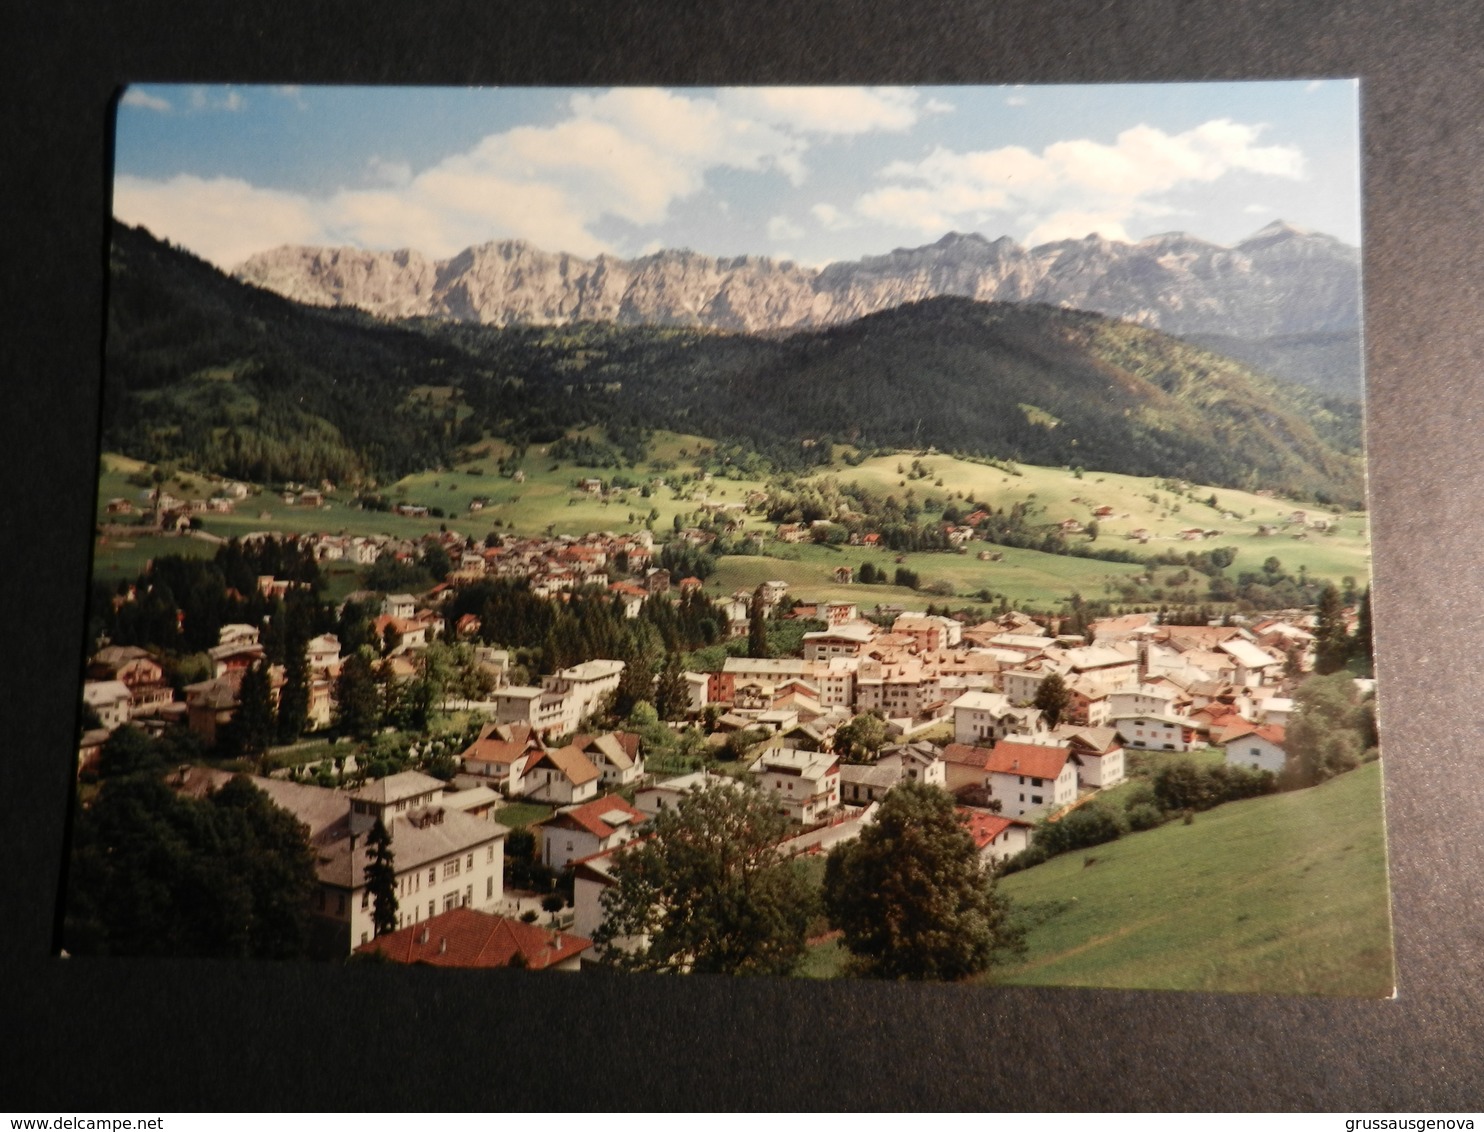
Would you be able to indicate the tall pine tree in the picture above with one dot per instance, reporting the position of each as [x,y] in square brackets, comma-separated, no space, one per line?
[381,879]
[757,626]
[358,705]
[671,694]
[293,697]
[252,726]
[1331,638]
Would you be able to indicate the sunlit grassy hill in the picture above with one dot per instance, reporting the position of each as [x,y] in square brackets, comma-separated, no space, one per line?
[1285,894]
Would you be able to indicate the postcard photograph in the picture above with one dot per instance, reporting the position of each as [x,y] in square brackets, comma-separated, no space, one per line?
[818,532]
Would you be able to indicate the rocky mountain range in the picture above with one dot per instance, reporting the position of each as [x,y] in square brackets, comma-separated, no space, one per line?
[1280,281]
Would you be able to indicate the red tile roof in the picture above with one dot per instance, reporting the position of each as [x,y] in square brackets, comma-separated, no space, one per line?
[573,764]
[463,937]
[589,815]
[984,827]
[1032,759]
[965,755]
[1274,733]
[498,751]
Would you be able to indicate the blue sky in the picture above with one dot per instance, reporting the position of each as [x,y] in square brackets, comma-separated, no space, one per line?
[812,174]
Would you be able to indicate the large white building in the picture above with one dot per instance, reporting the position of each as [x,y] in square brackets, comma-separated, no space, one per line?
[585,684]
[806,784]
[443,858]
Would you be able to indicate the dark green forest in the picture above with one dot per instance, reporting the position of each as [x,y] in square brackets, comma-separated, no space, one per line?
[231,379]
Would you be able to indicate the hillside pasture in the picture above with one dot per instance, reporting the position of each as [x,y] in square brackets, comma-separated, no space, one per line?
[1137,502]
[1024,576]
[1285,894]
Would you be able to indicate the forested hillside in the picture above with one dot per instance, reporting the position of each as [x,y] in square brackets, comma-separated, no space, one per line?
[231,379]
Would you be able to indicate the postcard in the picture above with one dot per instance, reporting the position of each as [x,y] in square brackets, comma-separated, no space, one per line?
[822,532]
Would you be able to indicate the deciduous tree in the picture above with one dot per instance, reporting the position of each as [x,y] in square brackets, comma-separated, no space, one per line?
[911,895]
[708,892]
[1052,698]
[154,873]
[861,738]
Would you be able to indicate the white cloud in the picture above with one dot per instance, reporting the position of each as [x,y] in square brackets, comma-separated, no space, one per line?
[201,99]
[782,228]
[136,97]
[1070,183]
[627,154]
[1016,100]
[224,220]
[830,216]
[1257,209]
[387,172]
[826,110]
[1313,85]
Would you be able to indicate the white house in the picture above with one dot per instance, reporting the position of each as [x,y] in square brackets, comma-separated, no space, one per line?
[996,836]
[401,606]
[563,776]
[1152,732]
[1099,752]
[668,794]
[1257,746]
[616,755]
[110,699]
[805,783]
[596,826]
[915,762]
[585,685]
[500,753]
[866,783]
[444,859]
[848,639]
[1031,778]
[983,717]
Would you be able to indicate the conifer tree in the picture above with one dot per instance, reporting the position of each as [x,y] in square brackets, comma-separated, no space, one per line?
[293,697]
[1331,639]
[757,626]
[381,879]
[671,695]
[358,708]
[252,726]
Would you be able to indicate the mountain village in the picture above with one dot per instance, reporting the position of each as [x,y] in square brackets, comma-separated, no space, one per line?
[956,705]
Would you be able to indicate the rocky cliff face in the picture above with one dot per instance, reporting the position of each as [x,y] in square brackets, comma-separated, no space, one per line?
[1280,281]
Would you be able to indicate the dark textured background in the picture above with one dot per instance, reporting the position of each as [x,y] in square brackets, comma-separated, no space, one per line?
[183,1035]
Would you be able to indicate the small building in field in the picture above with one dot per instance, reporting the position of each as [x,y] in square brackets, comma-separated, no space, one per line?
[1258,746]
[996,836]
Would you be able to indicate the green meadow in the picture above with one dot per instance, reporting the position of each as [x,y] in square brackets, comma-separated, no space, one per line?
[548,498]
[1024,576]
[1140,502]
[1285,894]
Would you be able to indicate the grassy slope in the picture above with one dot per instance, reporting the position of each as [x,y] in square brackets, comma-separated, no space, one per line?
[1346,551]
[549,496]
[1277,895]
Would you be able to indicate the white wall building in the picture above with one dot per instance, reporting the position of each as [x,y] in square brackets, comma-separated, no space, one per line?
[806,784]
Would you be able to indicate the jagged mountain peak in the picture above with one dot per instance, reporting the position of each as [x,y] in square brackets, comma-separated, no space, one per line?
[1279,281]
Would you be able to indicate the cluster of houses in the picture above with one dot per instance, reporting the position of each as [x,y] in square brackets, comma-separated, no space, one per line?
[1131,684]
